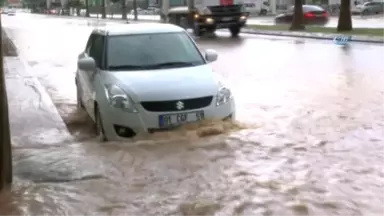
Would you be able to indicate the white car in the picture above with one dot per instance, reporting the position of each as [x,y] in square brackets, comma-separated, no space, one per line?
[146,78]
[11,12]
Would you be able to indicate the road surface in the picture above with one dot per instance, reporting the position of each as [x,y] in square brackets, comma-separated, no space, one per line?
[310,139]
[376,21]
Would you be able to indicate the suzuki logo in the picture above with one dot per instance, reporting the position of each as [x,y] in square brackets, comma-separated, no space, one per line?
[180,105]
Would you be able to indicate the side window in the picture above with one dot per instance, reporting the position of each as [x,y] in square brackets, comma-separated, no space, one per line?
[89,43]
[97,50]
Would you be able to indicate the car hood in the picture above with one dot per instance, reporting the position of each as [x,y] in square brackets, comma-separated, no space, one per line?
[168,84]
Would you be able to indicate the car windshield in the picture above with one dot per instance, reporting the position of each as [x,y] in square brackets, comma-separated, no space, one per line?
[372,3]
[152,51]
[307,8]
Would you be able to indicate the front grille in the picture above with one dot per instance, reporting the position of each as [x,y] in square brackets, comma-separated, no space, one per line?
[170,106]
[229,10]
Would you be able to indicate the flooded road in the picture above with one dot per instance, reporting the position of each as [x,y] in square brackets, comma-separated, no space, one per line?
[310,140]
[373,21]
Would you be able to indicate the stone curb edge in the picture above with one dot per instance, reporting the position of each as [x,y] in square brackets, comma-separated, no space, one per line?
[45,98]
[360,39]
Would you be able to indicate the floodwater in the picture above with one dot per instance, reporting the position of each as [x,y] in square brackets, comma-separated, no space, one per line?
[309,141]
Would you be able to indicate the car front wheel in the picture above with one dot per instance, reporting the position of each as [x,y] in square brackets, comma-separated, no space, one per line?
[79,100]
[99,127]
[235,30]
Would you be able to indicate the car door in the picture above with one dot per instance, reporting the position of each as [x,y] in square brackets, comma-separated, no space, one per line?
[381,10]
[93,49]
[97,53]
[82,78]
[289,14]
[373,7]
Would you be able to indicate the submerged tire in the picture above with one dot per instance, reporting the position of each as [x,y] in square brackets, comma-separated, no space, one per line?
[235,30]
[99,127]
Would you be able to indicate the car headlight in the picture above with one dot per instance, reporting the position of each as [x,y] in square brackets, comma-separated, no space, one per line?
[205,11]
[118,98]
[224,95]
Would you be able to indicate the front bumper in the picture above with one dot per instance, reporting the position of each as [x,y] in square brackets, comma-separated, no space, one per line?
[356,12]
[216,22]
[145,122]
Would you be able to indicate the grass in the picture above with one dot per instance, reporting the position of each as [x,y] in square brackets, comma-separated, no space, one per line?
[378,32]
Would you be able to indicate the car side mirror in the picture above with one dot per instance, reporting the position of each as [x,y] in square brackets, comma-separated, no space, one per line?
[87,64]
[210,55]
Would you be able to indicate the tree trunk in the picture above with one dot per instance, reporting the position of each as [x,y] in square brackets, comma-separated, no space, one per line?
[86,8]
[78,11]
[5,137]
[123,10]
[103,10]
[345,19]
[298,17]
[135,10]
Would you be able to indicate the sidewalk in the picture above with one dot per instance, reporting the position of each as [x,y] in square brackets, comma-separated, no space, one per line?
[33,117]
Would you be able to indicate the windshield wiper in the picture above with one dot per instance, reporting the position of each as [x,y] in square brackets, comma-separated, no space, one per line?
[127,67]
[152,66]
[172,64]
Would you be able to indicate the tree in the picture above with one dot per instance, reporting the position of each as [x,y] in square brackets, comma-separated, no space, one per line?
[87,8]
[103,9]
[345,19]
[135,10]
[298,17]
[77,4]
[123,9]
[5,137]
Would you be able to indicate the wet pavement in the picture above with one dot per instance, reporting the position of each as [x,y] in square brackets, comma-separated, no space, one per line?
[374,21]
[311,140]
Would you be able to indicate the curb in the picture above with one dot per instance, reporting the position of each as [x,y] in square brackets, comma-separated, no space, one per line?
[318,36]
[17,72]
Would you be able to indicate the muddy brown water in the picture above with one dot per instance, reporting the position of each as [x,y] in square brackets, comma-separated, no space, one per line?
[309,142]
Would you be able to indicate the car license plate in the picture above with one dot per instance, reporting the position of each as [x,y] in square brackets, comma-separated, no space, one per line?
[172,120]
[227,19]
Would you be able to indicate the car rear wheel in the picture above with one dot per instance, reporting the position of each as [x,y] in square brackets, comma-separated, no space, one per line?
[235,30]
[263,12]
[99,127]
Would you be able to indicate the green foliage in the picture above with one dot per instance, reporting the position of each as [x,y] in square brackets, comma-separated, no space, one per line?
[34,2]
[115,1]
[3,2]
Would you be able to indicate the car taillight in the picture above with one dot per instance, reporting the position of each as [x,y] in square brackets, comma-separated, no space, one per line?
[325,14]
[309,15]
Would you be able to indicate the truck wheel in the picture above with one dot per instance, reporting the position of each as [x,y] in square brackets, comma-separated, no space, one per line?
[235,30]
[211,31]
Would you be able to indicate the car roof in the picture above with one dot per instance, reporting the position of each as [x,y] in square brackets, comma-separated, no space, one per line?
[137,28]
